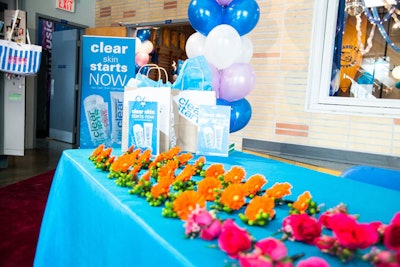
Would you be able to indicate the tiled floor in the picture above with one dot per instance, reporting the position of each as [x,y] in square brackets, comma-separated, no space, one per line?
[47,153]
[35,161]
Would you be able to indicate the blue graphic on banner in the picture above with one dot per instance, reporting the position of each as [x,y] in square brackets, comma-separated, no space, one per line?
[143,125]
[107,65]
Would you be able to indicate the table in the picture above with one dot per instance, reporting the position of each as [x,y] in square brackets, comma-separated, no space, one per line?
[90,221]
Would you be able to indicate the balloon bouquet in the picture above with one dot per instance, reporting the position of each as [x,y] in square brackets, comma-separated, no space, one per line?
[143,48]
[221,27]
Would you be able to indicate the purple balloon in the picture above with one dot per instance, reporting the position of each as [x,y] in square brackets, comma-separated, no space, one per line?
[224,2]
[236,81]
[215,73]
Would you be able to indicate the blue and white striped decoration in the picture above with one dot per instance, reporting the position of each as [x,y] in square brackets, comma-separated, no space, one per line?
[21,59]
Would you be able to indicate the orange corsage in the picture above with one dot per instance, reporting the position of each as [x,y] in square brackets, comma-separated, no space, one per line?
[215,170]
[254,184]
[234,176]
[183,180]
[304,204]
[207,187]
[186,202]
[259,211]
[278,190]
[184,158]
[232,198]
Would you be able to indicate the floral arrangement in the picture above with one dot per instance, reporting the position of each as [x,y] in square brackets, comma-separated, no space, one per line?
[197,195]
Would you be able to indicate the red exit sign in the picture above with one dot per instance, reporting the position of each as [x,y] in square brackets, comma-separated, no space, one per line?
[67,5]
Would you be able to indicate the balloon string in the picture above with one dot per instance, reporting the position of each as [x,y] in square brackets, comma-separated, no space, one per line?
[359,35]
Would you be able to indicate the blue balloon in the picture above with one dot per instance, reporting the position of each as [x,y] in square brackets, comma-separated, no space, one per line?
[143,34]
[204,15]
[240,113]
[243,15]
[143,70]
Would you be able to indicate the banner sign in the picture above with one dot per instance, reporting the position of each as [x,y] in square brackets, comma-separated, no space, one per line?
[107,65]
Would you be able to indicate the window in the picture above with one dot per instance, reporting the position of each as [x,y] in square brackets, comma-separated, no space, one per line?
[348,74]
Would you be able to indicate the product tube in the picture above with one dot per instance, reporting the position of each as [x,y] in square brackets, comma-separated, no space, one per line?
[208,136]
[96,111]
[117,107]
[148,134]
[218,136]
[138,135]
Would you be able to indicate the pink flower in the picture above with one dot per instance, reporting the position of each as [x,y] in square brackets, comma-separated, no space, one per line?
[285,263]
[302,227]
[254,259]
[313,262]
[201,222]
[212,230]
[330,220]
[382,258]
[272,247]
[202,217]
[233,239]
[324,218]
[325,243]
[391,237]
[351,234]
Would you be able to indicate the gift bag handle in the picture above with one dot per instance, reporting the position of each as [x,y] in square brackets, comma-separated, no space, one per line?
[159,72]
[13,27]
[148,65]
[202,77]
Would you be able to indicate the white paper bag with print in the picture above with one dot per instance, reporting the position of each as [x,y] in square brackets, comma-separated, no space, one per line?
[185,116]
[161,95]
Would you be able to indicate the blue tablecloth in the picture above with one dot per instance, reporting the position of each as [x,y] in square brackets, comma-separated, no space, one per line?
[90,221]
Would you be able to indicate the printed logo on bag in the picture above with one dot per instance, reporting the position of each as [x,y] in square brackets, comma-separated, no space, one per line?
[17,60]
[119,112]
[188,109]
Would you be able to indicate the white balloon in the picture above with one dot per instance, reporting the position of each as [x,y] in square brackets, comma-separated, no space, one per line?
[223,45]
[195,45]
[146,47]
[246,50]
[138,45]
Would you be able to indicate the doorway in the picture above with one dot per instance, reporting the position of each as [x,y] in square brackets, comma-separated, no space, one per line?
[46,27]
[169,41]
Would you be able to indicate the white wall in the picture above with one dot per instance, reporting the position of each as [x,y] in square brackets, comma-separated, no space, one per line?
[84,12]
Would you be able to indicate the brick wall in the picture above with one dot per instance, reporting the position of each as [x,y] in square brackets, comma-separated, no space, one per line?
[281,42]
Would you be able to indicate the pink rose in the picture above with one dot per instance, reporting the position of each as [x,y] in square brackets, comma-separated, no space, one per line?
[302,227]
[211,231]
[391,237]
[286,263]
[233,239]
[358,236]
[325,243]
[272,247]
[202,218]
[386,259]
[254,259]
[387,264]
[313,262]
[336,220]
[351,234]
